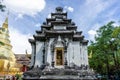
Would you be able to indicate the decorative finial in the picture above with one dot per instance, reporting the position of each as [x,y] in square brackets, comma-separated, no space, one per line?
[59,9]
[59,38]
[6,20]
[5,24]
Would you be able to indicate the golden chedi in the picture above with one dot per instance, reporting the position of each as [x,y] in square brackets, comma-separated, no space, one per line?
[7,57]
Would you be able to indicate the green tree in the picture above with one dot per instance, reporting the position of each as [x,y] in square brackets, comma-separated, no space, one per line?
[116,36]
[104,49]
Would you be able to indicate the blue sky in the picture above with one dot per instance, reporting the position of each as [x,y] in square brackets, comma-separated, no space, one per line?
[26,16]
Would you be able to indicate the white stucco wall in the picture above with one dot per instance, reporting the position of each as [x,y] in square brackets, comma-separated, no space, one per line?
[32,55]
[82,54]
[39,53]
[86,55]
[49,54]
[76,53]
[69,53]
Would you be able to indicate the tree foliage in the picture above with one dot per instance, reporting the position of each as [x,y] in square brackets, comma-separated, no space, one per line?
[106,49]
[2,7]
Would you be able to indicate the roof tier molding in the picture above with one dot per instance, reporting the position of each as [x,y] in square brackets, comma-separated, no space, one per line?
[32,41]
[85,42]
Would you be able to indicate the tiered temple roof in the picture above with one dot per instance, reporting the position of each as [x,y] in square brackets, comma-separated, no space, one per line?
[59,24]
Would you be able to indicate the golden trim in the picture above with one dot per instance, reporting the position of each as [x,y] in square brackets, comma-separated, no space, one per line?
[56,49]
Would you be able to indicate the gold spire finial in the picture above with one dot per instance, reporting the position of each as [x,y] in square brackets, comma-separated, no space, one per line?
[5,24]
[6,20]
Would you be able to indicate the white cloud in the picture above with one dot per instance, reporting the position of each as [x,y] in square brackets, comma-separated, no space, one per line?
[37,25]
[92,9]
[69,8]
[116,24]
[19,16]
[19,41]
[96,26]
[91,34]
[93,31]
[49,16]
[27,7]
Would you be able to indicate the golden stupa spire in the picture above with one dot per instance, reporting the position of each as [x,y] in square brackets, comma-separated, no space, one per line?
[6,20]
[4,37]
[5,24]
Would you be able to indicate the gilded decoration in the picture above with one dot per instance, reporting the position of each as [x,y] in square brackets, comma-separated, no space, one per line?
[59,56]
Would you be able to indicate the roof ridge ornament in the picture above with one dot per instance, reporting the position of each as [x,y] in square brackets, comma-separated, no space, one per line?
[59,9]
[59,38]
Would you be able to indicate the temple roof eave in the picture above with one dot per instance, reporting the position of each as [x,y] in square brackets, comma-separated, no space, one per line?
[45,25]
[59,32]
[85,42]
[78,38]
[58,22]
[39,37]
[69,20]
[79,32]
[38,31]
[72,28]
[31,41]
[52,14]
[50,19]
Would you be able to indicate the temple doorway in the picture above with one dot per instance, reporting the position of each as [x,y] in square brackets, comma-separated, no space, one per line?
[59,57]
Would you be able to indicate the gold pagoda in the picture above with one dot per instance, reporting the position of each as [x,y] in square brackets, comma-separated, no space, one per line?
[7,57]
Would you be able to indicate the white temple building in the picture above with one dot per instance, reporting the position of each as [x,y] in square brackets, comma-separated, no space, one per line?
[58,43]
[59,51]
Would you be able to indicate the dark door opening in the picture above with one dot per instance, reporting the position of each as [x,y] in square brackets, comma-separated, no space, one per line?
[59,57]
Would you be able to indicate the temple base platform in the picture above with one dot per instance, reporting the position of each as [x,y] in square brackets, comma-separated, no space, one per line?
[59,74]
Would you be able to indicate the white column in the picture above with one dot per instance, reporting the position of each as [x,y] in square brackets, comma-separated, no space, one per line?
[83,47]
[65,52]
[65,56]
[49,54]
[69,53]
[46,51]
[39,53]
[80,54]
[32,55]
[82,51]
[86,56]
[76,53]
[81,57]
